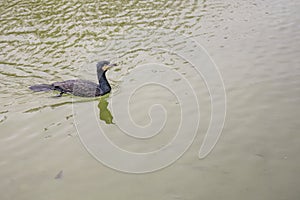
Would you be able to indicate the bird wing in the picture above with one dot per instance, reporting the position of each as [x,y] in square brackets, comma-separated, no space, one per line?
[78,87]
[65,86]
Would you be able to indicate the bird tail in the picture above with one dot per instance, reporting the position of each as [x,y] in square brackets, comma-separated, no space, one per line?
[41,87]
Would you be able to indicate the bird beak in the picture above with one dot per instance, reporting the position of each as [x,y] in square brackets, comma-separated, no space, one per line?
[106,67]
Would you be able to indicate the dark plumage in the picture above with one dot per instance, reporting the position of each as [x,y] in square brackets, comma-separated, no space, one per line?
[81,88]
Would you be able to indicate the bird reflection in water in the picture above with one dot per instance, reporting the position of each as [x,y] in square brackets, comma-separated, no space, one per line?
[105,114]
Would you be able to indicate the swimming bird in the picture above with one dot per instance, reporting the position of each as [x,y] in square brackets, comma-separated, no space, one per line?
[83,88]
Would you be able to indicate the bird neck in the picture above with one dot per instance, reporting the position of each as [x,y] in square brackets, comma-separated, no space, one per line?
[103,83]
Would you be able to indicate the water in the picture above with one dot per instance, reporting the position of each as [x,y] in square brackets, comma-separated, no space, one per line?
[255,45]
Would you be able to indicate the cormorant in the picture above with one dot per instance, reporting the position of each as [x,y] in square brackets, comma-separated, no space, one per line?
[81,88]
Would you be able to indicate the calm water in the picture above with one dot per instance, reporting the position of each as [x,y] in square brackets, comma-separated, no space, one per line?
[255,45]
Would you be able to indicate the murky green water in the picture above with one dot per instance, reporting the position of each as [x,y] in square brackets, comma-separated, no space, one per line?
[255,45]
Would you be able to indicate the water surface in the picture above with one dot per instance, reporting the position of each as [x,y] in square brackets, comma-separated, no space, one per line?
[255,44]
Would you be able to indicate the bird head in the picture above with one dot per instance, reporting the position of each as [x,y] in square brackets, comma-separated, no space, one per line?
[103,66]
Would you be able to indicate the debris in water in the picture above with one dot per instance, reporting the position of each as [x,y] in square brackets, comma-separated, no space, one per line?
[59,175]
